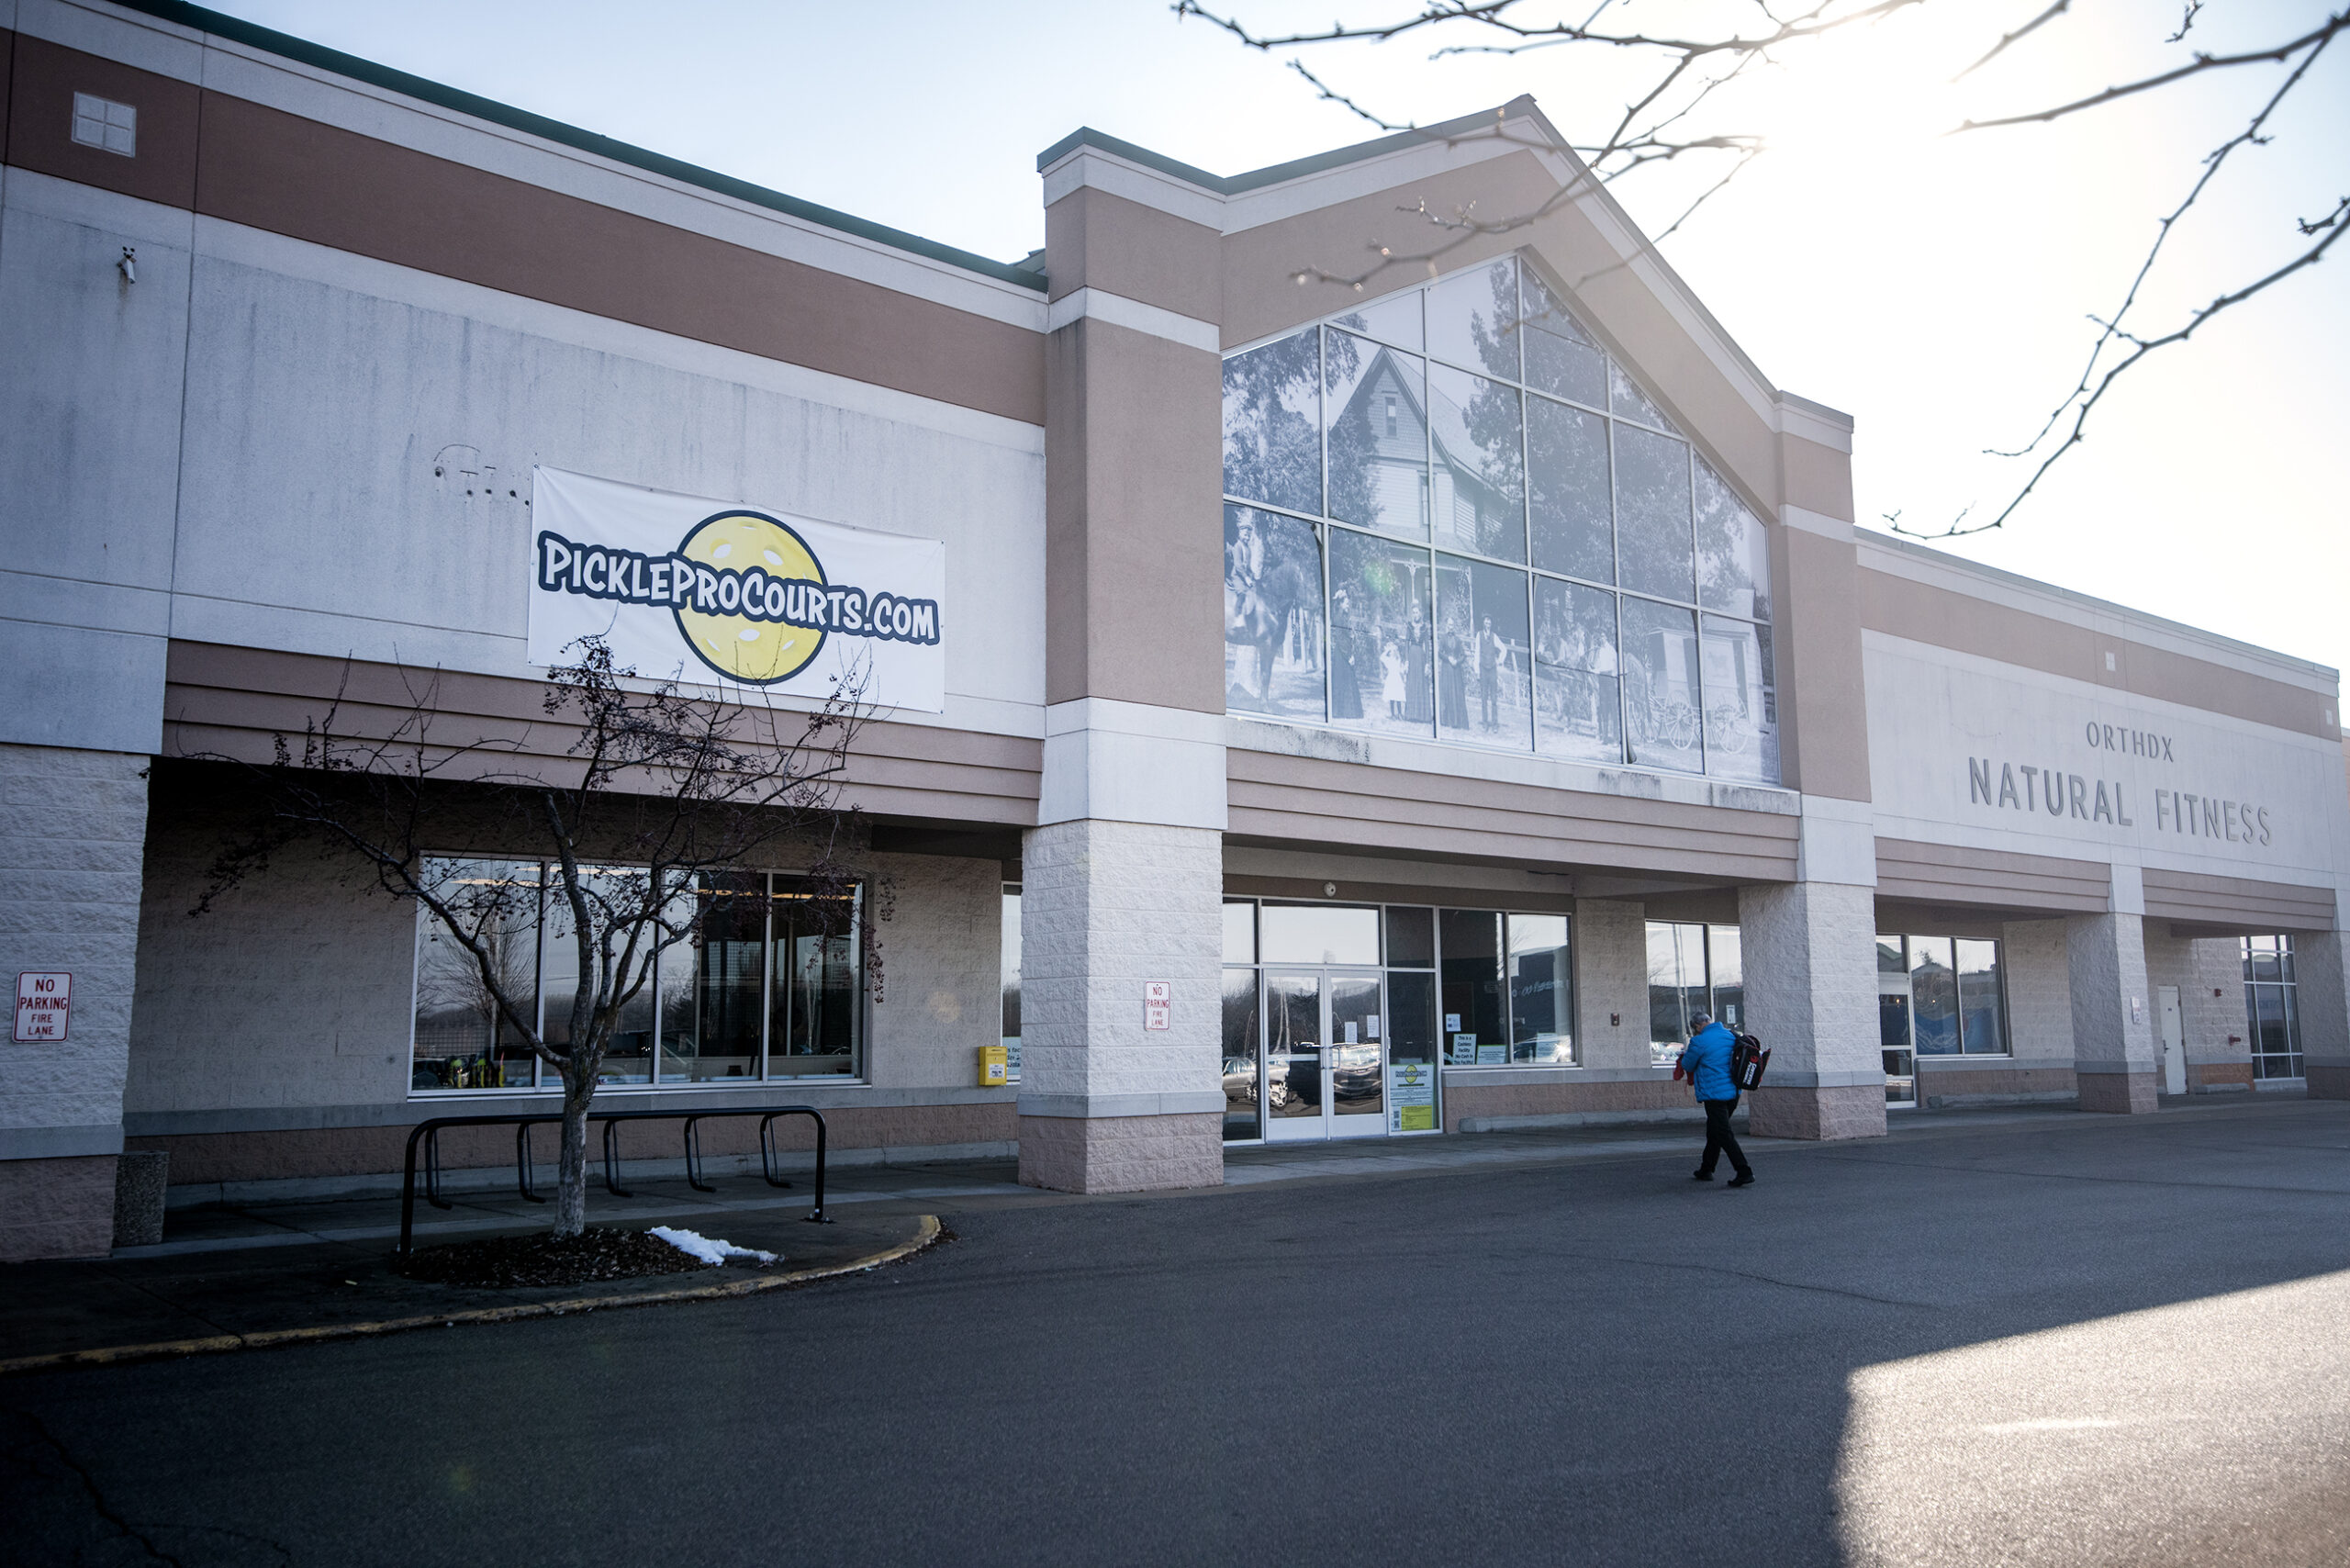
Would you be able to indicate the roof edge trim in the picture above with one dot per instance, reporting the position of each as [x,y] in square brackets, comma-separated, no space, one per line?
[1275,173]
[287,46]
[1876,538]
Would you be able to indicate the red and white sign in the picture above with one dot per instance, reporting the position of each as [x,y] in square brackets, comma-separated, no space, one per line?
[1157,1010]
[44,1002]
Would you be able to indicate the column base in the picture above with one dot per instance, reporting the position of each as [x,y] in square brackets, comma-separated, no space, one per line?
[2327,1080]
[56,1208]
[1121,1154]
[1842,1111]
[2118,1093]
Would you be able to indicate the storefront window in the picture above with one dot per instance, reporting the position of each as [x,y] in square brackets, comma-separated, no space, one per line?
[1937,996]
[1470,431]
[768,983]
[460,1040]
[1541,990]
[1892,1022]
[1463,987]
[1475,1031]
[714,982]
[1318,934]
[2272,1009]
[1693,968]
[1241,1119]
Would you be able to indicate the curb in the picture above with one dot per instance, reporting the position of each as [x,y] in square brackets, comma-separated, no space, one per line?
[119,1355]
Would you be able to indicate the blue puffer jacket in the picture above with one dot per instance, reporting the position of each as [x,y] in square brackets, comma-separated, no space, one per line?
[1707,1060]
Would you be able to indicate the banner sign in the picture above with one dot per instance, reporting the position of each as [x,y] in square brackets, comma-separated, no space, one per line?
[702,591]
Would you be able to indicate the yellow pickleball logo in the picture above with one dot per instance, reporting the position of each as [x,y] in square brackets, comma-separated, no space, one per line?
[761,576]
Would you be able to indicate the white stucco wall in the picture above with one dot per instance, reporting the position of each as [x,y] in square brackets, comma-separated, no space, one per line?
[1930,709]
[360,438]
[89,442]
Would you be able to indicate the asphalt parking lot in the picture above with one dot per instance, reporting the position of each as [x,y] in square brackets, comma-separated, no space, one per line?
[2055,1339]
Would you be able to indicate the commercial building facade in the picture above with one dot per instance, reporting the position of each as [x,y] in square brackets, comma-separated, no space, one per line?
[1343,713]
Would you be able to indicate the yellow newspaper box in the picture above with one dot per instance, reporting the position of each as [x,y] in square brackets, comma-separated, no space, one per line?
[995,1067]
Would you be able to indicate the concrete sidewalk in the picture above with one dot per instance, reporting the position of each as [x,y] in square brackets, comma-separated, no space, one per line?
[271,1268]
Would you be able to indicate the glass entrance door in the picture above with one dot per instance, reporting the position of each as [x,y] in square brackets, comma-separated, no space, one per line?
[1326,1067]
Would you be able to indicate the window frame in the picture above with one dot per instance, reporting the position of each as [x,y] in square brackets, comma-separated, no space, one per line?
[1759,625]
[545,1080]
[1434,968]
[2286,987]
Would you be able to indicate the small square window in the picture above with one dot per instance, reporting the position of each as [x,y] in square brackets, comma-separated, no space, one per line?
[105,124]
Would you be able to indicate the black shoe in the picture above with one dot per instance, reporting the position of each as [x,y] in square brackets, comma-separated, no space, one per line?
[1743,1178]
[1702,1175]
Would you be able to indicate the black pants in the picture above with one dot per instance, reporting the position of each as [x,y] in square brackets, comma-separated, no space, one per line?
[1719,1140]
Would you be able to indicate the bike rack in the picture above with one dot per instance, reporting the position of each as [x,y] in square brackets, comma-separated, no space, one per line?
[427,1133]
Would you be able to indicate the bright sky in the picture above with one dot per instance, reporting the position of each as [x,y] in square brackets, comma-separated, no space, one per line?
[1934,288]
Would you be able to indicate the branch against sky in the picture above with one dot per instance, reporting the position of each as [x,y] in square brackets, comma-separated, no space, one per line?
[1673,113]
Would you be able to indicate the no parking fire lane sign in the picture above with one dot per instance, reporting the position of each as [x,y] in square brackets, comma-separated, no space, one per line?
[44,1002]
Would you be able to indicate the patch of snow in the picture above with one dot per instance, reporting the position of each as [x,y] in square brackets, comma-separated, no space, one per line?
[705,1249]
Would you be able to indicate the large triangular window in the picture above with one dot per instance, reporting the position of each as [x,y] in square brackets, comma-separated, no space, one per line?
[1451,514]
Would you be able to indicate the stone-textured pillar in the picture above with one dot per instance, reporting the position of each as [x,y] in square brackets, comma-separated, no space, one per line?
[2321,979]
[2040,992]
[1611,956]
[1107,1105]
[1123,877]
[72,831]
[1810,952]
[2113,1023]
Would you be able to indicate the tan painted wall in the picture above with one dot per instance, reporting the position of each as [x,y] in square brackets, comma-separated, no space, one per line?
[1823,709]
[1095,240]
[1925,613]
[1135,556]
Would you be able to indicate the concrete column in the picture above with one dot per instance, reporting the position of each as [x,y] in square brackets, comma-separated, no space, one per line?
[1106,1104]
[1810,951]
[1610,946]
[2322,981]
[2113,1022]
[72,829]
[1123,877]
[2040,991]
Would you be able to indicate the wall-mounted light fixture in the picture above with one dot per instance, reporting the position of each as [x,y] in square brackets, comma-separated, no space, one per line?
[128,266]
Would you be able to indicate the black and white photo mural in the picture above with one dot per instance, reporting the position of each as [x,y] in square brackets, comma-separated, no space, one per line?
[1452,515]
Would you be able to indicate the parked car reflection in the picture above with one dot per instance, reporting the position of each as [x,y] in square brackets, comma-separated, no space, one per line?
[1354,1074]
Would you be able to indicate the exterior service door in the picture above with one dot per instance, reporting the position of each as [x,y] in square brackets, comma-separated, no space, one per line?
[2174,1036]
[1325,1068]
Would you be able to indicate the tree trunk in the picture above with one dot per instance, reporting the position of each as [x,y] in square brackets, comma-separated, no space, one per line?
[571,1178]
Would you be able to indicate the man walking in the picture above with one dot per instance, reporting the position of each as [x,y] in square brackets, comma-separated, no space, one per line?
[1706,1061]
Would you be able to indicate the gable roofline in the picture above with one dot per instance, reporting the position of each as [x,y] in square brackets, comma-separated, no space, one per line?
[1642,255]
[318,56]
[1296,168]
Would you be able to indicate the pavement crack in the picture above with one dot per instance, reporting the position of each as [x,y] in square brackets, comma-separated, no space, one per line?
[99,1504]
[1749,1274]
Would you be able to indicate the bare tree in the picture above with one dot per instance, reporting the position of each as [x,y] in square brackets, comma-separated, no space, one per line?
[658,793]
[1669,116]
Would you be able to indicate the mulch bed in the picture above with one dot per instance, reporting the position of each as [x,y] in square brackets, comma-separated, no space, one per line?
[599,1252]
